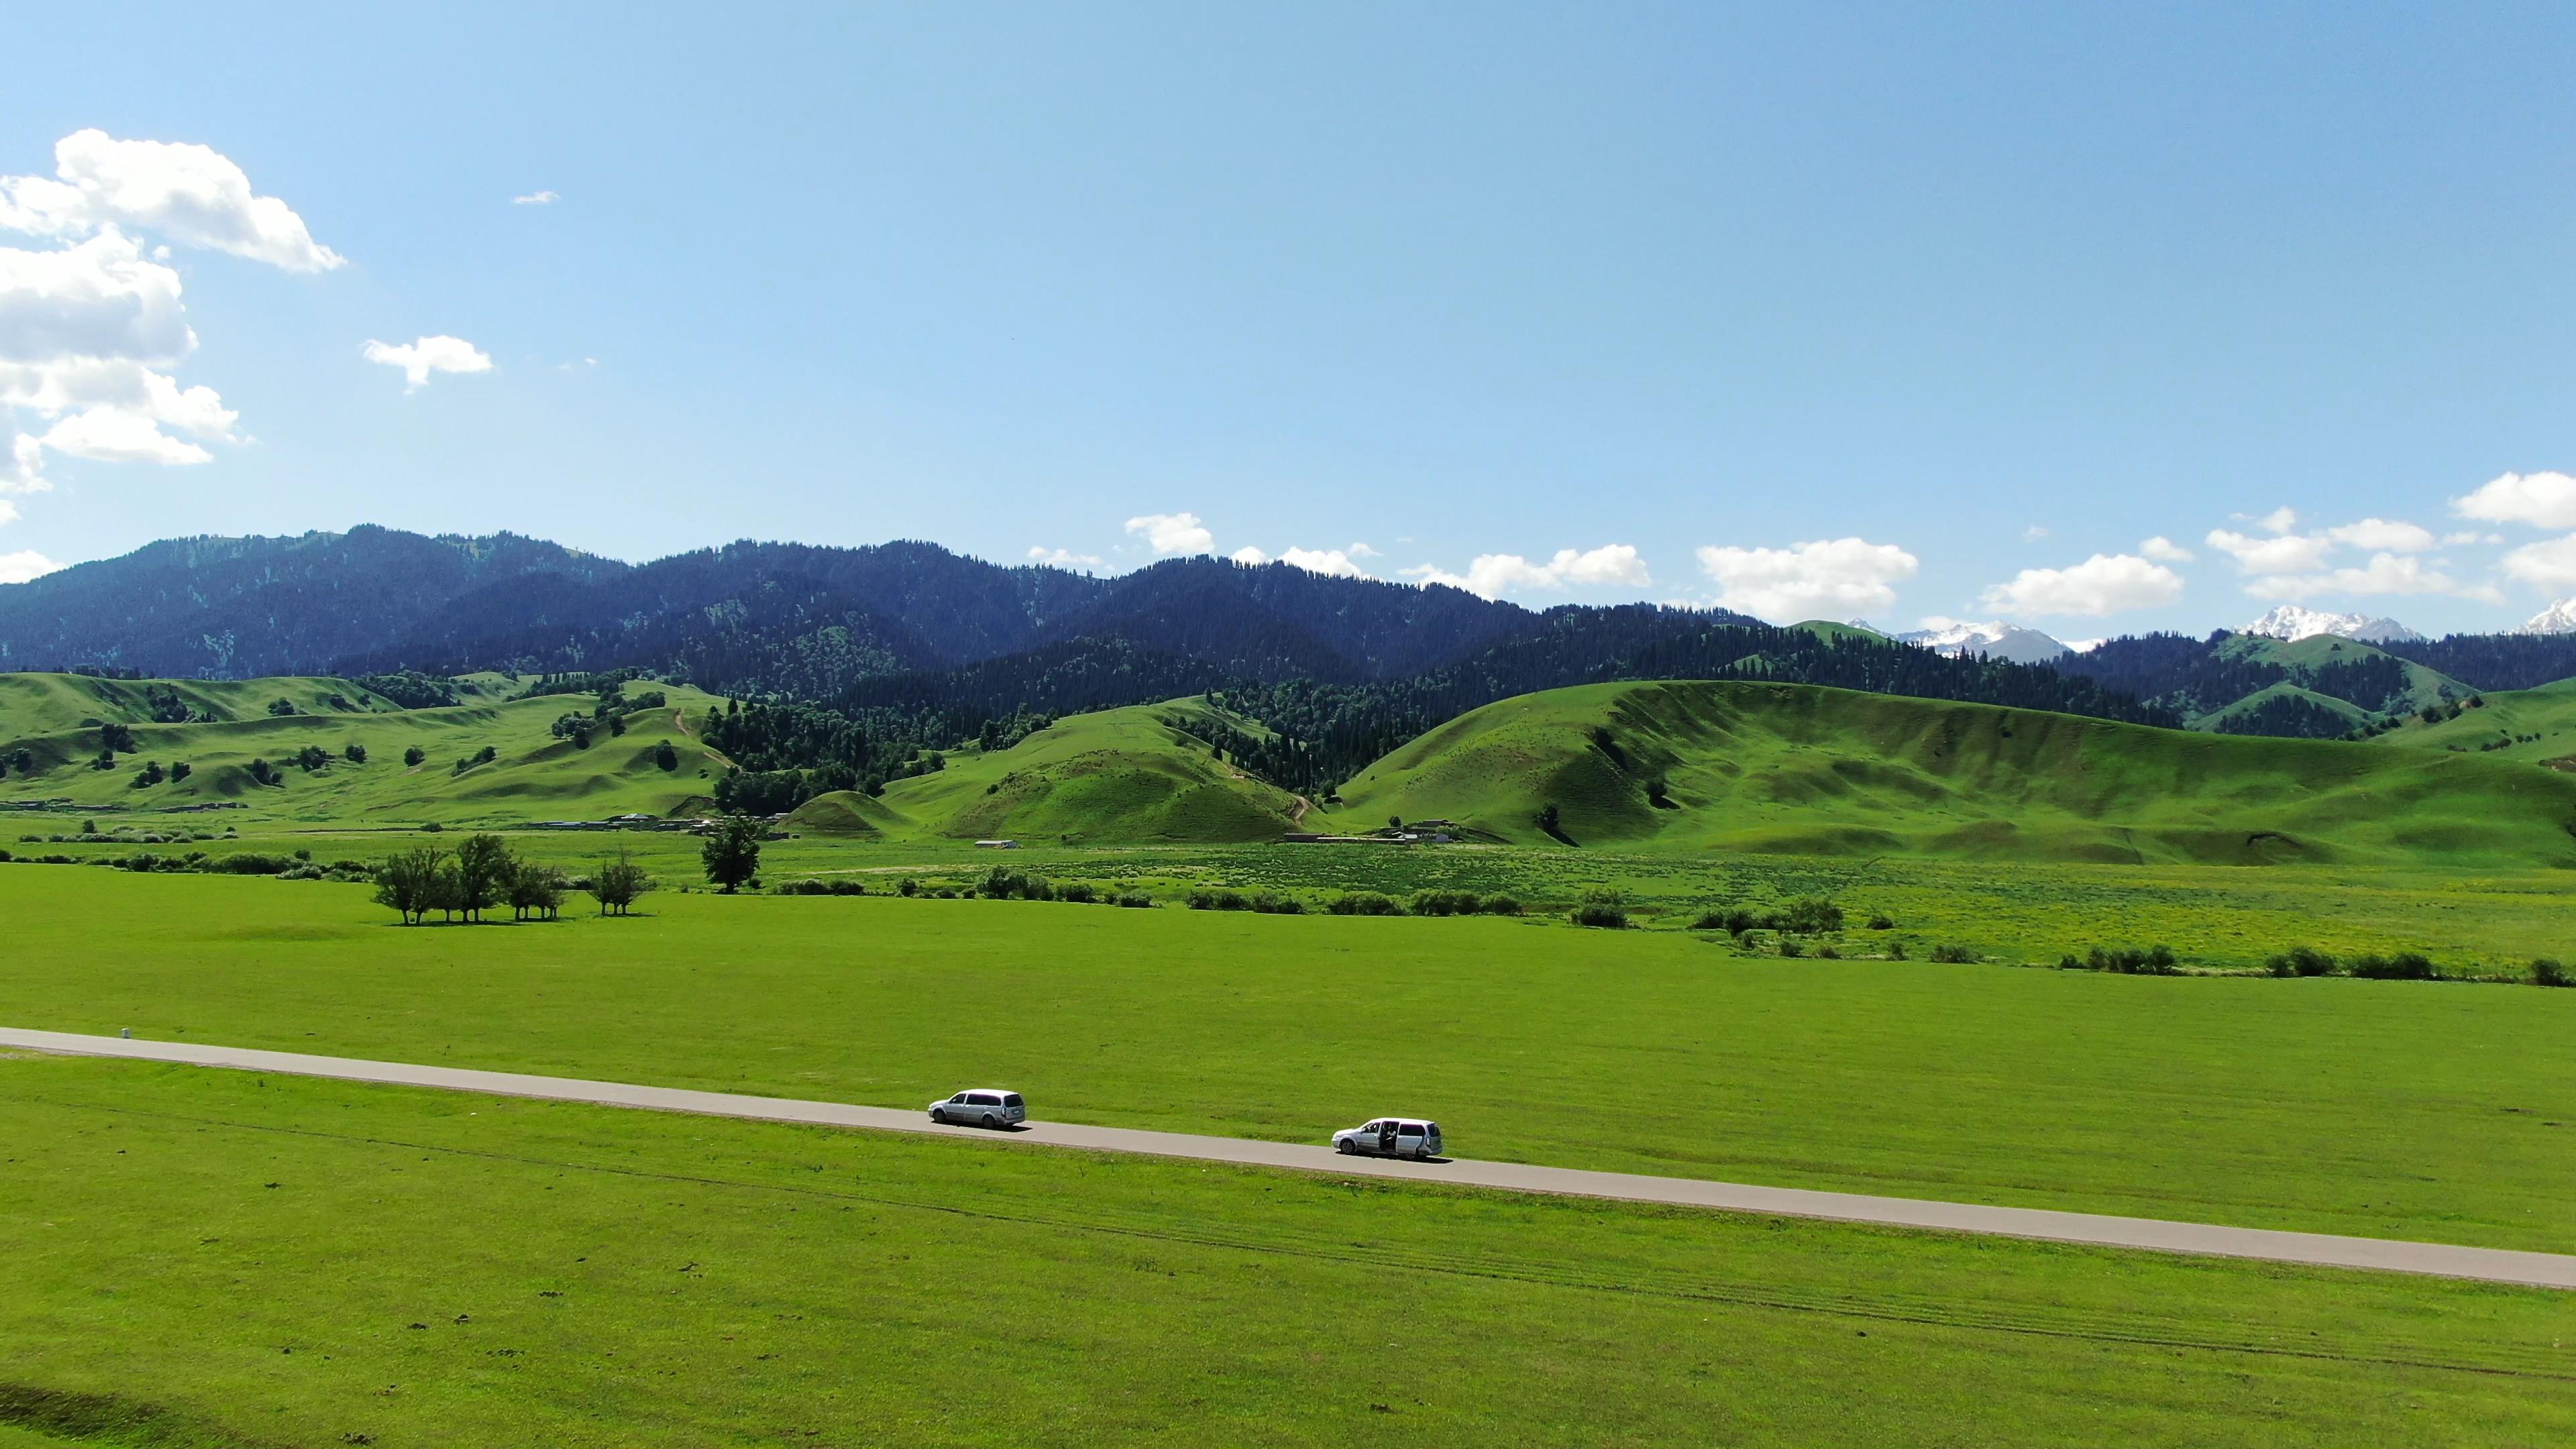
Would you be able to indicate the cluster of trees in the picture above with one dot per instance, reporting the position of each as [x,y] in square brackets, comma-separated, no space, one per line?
[2495,661]
[22,760]
[788,753]
[481,874]
[152,774]
[2288,716]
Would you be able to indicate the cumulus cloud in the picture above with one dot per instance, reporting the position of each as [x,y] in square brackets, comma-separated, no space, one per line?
[1362,550]
[2288,565]
[536,198]
[1172,532]
[1836,578]
[2165,550]
[89,325]
[2551,563]
[1058,558]
[192,195]
[18,568]
[2033,534]
[2386,573]
[2543,500]
[2106,583]
[1249,555]
[2282,554]
[1331,561]
[423,356]
[1492,575]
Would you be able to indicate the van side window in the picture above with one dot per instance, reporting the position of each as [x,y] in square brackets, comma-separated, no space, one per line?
[959,1099]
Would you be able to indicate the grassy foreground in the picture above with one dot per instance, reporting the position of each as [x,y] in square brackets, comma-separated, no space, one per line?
[2435,1111]
[214,1258]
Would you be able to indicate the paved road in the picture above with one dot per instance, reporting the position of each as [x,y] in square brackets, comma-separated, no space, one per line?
[2548,1270]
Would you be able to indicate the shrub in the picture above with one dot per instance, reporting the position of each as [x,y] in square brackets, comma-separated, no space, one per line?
[1502,906]
[1446,903]
[1880,922]
[1828,953]
[1364,903]
[1002,883]
[2404,966]
[1271,903]
[1896,950]
[1135,900]
[818,888]
[2154,961]
[907,887]
[249,863]
[302,872]
[1808,916]
[2301,961]
[1077,892]
[1953,955]
[1603,909]
[2544,972]
[1220,901]
[1790,949]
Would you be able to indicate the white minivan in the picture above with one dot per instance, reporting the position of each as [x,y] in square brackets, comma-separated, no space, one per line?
[1390,1137]
[985,1107]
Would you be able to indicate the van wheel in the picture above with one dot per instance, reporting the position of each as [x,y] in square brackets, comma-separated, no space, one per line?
[938,1116]
[1347,1149]
[990,1121]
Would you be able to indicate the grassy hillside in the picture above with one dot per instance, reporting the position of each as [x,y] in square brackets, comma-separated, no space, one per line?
[1794,768]
[2304,657]
[533,775]
[2217,720]
[43,704]
[1121,775]
[2536,726]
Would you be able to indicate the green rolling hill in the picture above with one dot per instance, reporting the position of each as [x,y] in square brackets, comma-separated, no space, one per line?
[1801,769]
[2531,725]
[1119,776]
[533,775]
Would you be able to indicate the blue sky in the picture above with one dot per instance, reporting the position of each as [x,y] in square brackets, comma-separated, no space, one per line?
[1811,310]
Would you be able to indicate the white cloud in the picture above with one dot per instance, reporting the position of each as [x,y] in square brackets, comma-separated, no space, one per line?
[23,470]
[18,568]
[536,198]
[193,195]
[1825,578]
[1492,575]
[2543,500]
[2033,534]
[1249,555]
[1058,558]
[2102,584]
[418,359]
[99,299]
[2279,520]
[1361,550]
[2551,563]
[1331,561]
[2379,533]
[112,435]
[2386,573]
[2288,553]
[2165,550]
[1172,532]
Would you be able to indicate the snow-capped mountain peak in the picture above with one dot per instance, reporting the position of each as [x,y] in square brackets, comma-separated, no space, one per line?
[1997,640]
[2289,621]
[2558,618]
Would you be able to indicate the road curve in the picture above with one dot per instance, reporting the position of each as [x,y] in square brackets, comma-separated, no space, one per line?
[2496,1265]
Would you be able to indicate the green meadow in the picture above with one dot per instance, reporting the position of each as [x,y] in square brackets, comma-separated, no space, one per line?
[223,1259]
[2430,1110]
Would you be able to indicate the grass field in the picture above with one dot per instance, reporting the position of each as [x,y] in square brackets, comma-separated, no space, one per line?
[2528,725]
[2437,1111]
[215,1258]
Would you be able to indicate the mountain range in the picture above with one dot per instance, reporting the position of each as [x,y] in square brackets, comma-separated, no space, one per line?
[919,643]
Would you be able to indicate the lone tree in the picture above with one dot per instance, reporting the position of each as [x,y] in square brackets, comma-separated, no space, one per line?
[617,883]
[483,869]
[355,754]
[664,757]
[409,882]
[732,853]
[415,755]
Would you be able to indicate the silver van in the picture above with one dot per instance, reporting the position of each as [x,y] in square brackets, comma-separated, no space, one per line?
[983,1107]
[1390,1137]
